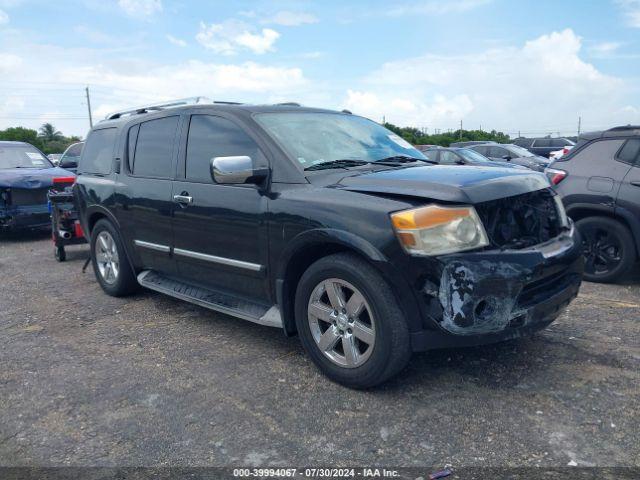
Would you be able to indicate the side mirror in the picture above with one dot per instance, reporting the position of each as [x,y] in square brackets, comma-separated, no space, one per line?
[68,164]
[236,170]
[507,158]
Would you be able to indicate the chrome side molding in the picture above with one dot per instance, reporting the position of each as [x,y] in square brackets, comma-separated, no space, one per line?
[221,260]
[153,246]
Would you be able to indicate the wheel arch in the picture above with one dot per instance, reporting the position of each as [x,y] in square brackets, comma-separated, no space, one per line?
[622,215]
[311,246]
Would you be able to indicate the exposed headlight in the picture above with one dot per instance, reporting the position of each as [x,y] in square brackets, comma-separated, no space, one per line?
[436,230]
[562,213]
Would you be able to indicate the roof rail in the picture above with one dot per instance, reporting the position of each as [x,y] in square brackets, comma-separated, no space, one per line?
[159,106]
[288,104]
[624,127]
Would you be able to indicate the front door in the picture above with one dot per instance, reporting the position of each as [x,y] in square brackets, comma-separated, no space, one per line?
[220,234]
[144,198]
[629,193]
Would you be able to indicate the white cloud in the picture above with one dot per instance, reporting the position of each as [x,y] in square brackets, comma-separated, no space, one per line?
[631,9]
[291,19]
[176,41]
[434,7]
[540,85]
[4,18]
[10,63]
[231,36]
[604,49]
[140,8]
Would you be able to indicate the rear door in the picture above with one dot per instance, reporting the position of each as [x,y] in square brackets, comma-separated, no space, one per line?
[145,196]
[629,194]
[220,235]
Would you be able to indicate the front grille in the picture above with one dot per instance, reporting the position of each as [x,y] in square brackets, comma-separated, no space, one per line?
[520,221]
[28,196]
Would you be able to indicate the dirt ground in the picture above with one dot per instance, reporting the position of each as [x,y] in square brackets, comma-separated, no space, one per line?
[87,379]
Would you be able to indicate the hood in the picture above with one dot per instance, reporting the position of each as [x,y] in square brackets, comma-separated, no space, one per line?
[31,177]
[448,183]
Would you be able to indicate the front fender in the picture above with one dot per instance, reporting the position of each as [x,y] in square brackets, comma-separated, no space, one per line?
[310,240]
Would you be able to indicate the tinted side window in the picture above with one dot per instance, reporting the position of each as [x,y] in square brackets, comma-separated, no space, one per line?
[598,151]
[629,152]
[542,142]
[498,152]
[211,136]
[481,150]
[448,158]
[97,155]
[558,142]
[154,148]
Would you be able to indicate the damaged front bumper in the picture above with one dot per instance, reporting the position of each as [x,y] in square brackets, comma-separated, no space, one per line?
[24,216]
[490,296]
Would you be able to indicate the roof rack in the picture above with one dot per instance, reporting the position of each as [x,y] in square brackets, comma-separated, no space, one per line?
[160,106]
[288,104]
[624,127]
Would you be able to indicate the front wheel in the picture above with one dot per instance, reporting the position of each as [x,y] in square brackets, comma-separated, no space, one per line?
[609,249]
[350,323]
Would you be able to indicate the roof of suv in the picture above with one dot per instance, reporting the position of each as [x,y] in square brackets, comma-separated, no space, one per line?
[221,106]
[622,131]
[11,143]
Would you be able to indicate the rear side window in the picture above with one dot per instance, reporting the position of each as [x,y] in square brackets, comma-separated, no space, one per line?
[97,154]
[559,143]
[542,142]
[210,137]
[629,151]
[599,151]
[448,158]
[498,152]
[153,153]
[481,150]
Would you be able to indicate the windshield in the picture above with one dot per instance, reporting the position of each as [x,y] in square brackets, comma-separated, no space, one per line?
[22,156]
[472,155]
[520,152]
[315,138]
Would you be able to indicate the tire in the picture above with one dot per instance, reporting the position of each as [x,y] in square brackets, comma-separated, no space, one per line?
[609,249]
[377,357]
[60,253]
[122,280]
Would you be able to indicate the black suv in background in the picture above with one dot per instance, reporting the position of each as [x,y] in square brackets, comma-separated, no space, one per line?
[506,152]
[323,224]
[599,181]
[543,146]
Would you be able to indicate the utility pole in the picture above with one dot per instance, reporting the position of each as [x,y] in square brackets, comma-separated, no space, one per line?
[89,106]
[460,129]
[383,120]
[579,124]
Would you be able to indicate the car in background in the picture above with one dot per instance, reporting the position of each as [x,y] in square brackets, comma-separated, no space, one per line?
[599,181]
[462,156]
[469,143]
[70,157]
[55,158]
[507,152]
[26,175]
[560,153]
[543,146]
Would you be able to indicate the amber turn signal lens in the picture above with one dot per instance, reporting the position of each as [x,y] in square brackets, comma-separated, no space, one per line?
[426,217]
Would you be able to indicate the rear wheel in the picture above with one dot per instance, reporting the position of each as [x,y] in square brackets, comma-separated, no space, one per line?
[110,264]
[350,323]
[609,249]
[60,253]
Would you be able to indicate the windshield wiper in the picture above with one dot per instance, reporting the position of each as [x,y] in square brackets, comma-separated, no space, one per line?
[337,164]
[396,159]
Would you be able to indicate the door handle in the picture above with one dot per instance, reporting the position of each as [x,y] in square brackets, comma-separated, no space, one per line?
[183,199]
[635,184]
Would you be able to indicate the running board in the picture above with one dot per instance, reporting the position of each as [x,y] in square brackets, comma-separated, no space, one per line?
[220,302]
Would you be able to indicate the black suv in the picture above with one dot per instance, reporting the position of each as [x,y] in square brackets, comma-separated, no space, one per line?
[543,146]
[599,181]
[327,225]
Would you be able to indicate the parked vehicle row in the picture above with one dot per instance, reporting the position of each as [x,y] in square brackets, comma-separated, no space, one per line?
[543,146]
[501,152]
[326,225]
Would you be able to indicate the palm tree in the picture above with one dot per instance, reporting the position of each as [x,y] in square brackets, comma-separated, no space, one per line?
[48,133]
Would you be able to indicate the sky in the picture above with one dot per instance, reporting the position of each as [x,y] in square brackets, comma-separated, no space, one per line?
[528,67]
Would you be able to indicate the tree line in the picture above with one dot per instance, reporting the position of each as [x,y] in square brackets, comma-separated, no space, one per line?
[47,138]
[416,136]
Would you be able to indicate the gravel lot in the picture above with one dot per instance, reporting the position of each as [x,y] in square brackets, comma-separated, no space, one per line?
[87,379]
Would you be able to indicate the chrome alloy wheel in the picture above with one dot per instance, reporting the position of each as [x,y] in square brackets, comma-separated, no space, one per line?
[106,254]
[341,322]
